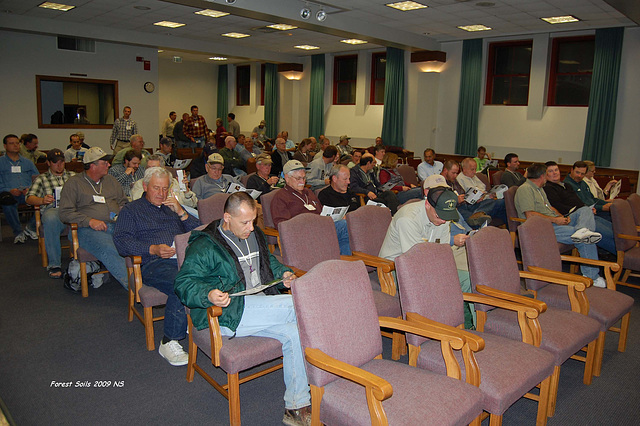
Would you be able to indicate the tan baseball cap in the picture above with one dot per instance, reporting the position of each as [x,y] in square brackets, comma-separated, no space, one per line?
[214,158]
[292,165]
[434,181]
[94,154]
[264,159]
[344,137]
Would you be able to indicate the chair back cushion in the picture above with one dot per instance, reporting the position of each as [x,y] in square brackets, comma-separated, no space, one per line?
[408,174]
[308,239]
[485,179]
[623,223]
[634,202]
[429,285]
[182,241]
[367,228]
[510,206]
[245,178]
[265,200]
[336,314]
[495,177]
[539,247]
[212,208]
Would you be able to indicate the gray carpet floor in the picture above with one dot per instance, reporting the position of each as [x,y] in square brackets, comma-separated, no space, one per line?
[52,335]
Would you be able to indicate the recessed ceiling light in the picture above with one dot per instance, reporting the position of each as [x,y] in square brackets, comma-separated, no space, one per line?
[472,28]
[168,24]
[353,41]
[160,51]
[235,35]
[282,27]
[406,5]
[306,47]
[218,58]
[56,6]
[211,13]
[560,19]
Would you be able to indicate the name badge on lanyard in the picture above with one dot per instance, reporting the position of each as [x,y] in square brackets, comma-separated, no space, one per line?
[310,207]
[99,199]
[16,169]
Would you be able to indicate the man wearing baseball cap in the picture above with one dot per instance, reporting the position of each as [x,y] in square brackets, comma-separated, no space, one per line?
[214,182]
[344,147]
[93,199]
[434,221]
[45,192]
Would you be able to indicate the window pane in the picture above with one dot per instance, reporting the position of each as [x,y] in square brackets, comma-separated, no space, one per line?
[519,91]
[573,89]
[347,69]
[500,93]
[346,93]
[379,92]
[576,56]
[380,67]
[243,76]
[513,60]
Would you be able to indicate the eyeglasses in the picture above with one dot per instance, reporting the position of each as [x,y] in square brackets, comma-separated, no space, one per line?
[299,179]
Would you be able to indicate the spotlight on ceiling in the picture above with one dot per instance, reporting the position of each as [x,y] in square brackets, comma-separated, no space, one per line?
[305,12]
[230,1]
[321,15]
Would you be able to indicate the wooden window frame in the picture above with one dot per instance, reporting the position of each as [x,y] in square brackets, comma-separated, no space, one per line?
[336,61]
[553,69]
[240,68]
[491,71]
[372,94]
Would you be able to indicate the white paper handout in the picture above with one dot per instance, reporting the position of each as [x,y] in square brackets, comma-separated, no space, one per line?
[373,203]
[256,289]
[254,193]
[335,213]
[180,174]
[181,164]
[235,187]
[615,190]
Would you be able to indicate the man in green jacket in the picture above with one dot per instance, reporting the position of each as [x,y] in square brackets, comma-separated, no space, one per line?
[230,256]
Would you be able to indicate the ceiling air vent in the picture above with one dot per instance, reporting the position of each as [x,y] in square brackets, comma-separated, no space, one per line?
[77,44]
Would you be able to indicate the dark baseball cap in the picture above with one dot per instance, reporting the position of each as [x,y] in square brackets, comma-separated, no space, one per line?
[445,202]
[55,155]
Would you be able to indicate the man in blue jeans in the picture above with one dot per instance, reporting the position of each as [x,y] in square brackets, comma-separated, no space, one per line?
[146,227]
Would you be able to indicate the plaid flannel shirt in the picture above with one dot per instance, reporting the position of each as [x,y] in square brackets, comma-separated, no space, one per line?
[45,184]
[119,172]
[192,131]
[121,132]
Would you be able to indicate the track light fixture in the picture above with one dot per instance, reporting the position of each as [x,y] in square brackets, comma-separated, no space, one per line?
[305,12]
[230,1]
[321,15]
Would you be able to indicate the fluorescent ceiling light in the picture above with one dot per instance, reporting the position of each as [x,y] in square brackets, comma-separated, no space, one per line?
[168,24]
[472,28]
[160,51]
[560,19]
[353,41]
[406,5]
[211,13]
[306,47]
[218,58]
[282,27]
[56,6]
[235,35]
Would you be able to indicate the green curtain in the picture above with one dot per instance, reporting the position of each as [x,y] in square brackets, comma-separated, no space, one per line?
[469,100]
[271,99]
[223,93]
[316,97]
[393,114]
[601,117]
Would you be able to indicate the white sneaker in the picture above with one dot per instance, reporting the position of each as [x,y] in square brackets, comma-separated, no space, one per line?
[20,238]
[30,233]
[600,282]
[583,235]
[173,353]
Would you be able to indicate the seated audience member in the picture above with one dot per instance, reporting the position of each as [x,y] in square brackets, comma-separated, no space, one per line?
[43,193]
[594,187]
[280,156]
[256,140]
[16,173]
[93,199]
[221,133]
[429,166]
[233,163]
[378,152]
[511,176]
[137,146]
[295,199]
[166,152]
[343,145]
[338,193]
[240,141]
[578,228]
[482,158]
[214,181]
[249,151]
[82,143]
[324,143]
[303,153]
[487,203]
[318,170]
[344,159]
[363,181]
[198,164]
[76,151]
[388,172]
[146,227]
[261,131]
[450,172]
[313,148]
[186,198]
[290,145]
[230,255]
[129,172]
[29,149]
[355,158]
[182,140]
[575,180]
[564,199]
[262,180]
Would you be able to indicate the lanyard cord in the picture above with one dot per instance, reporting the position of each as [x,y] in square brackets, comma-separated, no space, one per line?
[92,187]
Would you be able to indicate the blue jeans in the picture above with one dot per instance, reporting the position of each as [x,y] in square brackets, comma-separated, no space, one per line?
[160,274]
[405,196]
[100,244]
[199,143]
[275,317]
[581,218]
[11,213]
[52,229]
[343,237]
[605,227]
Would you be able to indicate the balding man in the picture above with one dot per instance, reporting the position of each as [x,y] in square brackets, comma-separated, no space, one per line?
[487,204]
[429,166]
[233,163]
[280,156]
[137,145]
[338,193]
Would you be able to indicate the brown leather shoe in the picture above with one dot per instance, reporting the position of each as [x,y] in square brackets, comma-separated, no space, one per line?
[299,417]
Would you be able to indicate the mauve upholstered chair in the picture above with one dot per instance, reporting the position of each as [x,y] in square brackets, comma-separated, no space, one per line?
[494,272]
[350,382]
[269,227]
[212,208]
[627,241]
[634,202]
[429,288]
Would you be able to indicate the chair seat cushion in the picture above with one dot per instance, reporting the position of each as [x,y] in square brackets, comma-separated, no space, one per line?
[440,400]
[151,296]
[85,256]
[508,368]
[632,259]
[387,306]
[240,353]
[563,332]
[605,306]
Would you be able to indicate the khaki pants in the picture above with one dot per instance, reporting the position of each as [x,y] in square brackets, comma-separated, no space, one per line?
[120,146]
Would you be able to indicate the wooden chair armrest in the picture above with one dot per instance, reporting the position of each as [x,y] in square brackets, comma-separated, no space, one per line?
[379,262]
[577,283]
[499,294]
[638,228]
[611,265]
[137,276]
[517,219]
[298,272]
[213,312]
[421,326]
[272,232]
[629,237]
[362,197]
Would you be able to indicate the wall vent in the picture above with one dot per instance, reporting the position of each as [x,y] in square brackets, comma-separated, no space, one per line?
[77,44]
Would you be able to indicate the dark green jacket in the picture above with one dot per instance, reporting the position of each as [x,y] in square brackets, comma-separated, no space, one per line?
[582,190]
[211,264]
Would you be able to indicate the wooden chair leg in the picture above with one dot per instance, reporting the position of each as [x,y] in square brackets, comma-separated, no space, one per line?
[543,402]
[148,328]
[83,279]
[553,391]
[588,365]
[43,252]
[624,331]
[495,420]
[234,399]
[597,363]
[316,400]
[398,346]
[193,354]
[132,301]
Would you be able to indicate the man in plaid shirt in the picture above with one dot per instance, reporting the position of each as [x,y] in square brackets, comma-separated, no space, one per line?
[123,128]
[195,128]
[45,192]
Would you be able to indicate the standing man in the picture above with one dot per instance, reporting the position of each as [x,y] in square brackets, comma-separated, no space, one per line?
[181,140]
[169,125]
[429,166]
[16,173]
[318,174]
[123,128]
[233,128]
[146,228]
[137,146]
[195,128]
[45,192]
[29,149]
[511,176]
[93,199]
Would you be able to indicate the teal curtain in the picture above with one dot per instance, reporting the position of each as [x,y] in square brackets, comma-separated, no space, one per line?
[469,100]
[271,99]
[601,117]
[316,97]
[223,93]
[393,114]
